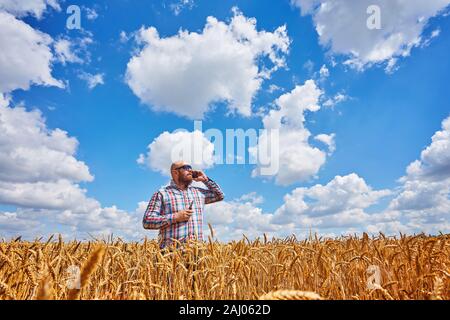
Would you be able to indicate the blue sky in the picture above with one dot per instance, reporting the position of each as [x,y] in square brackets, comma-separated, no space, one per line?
[393,100]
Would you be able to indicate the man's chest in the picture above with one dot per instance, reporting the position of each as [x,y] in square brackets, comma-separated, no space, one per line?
[177,200]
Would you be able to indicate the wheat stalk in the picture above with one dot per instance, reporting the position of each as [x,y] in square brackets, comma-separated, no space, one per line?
[291,295]
[414,267]
[88,269]
[45,288]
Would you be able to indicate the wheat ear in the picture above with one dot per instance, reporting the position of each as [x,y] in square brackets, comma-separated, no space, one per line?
[88,269]
[291,295]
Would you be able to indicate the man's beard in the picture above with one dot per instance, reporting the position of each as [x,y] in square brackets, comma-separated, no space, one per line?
[186,180]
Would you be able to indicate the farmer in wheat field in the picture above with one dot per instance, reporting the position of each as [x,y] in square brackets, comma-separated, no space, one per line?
[177,209]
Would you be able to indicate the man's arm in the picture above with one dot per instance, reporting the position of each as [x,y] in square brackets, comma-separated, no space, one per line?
[213,193]
[153,219]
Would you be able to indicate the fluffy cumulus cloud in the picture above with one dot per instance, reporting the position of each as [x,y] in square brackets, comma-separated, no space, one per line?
[342,27]
[232,219]
[99,222]
[34,156]
[73,50]
[425,190]
[193,147]
[338,203]
[64,52]
[188,72]
[28,7]
[26,56]
[40,176]
[347,204]
[30,152]
[60,194]
[342,206]
[434,163]
[297,159]
[14,224]
[339,207]
[328,140]
[4,100]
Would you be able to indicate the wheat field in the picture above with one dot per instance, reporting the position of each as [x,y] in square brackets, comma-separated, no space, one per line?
[410,267]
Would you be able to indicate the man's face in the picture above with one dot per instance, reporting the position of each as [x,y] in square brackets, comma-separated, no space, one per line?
[183,172]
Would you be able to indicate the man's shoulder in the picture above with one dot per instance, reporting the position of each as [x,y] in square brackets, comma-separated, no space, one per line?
[165,189]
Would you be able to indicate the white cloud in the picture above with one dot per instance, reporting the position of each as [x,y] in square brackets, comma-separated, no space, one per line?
[426,186]
[434,163]
[252,198]
[231,219]
[64,52]
[298,160]
[123,37]
[103,221]
[179,6]
[39,175]
[30,152]
[91,14]
[188,72]
[340,202]
[192,147]
[422,195]
[342,27]
[324,72]
[348,205]
[25,57]
[39,172]
[92,80]
[27,54]
[28,7]
[73,50]
[71,223]
[292,107]
[329,140]
[425,192]
[62,195]
[4,99]
[273,88]
[337,208]
[338,98]
[13,224]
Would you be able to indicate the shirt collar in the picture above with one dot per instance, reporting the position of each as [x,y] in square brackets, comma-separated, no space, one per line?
[174,185]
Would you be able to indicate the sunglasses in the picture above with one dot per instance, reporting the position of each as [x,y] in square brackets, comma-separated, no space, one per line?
[185,167]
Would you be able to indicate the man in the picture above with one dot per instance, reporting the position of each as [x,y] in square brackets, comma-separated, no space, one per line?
[177,209]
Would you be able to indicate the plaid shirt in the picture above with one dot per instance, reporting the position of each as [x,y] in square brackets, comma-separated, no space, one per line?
[170,199]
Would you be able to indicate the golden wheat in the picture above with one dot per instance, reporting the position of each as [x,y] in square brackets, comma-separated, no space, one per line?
[409,267]
[89,267]
[290,295]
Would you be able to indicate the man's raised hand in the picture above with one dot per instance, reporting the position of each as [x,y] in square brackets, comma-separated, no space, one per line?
[201,176]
